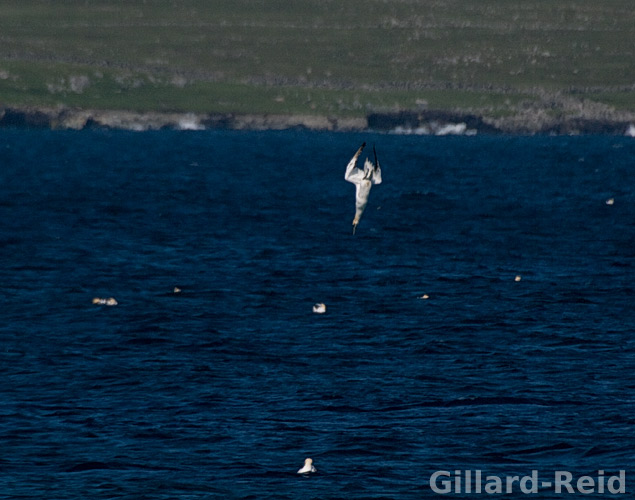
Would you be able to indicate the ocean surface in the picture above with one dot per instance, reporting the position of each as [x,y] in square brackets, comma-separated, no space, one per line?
[521,358]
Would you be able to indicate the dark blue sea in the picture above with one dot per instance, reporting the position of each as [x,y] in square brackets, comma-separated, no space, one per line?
[520,359]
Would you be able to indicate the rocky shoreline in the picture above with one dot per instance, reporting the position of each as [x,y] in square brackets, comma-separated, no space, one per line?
[528,121]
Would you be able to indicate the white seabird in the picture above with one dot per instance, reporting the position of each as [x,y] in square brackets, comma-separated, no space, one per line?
[319,308]
[308,467]
[110,301]
[363,180]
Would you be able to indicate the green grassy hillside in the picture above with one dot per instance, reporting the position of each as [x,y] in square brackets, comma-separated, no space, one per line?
[344,58]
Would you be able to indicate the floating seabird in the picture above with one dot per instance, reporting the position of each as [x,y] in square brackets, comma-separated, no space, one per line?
[319,308]
[308,467]
[363,180]
[110,301]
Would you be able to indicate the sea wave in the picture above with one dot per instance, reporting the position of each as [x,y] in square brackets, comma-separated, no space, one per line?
[438,129]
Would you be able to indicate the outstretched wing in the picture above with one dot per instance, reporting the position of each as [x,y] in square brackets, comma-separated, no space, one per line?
[377,170]
[354,174]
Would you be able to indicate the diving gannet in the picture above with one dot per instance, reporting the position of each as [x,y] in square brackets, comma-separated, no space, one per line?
[363,180]
[308,467]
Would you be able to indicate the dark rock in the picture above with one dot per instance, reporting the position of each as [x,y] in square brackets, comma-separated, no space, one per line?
[26,118]
[533,120]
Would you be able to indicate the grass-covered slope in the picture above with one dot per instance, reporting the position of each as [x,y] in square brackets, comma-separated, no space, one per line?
[323,57]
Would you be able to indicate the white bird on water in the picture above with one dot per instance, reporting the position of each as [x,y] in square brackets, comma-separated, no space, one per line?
[308,467]
[363,180]
[319,308]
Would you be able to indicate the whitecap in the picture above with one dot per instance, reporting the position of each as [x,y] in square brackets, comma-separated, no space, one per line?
[190,122]
[452,129]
